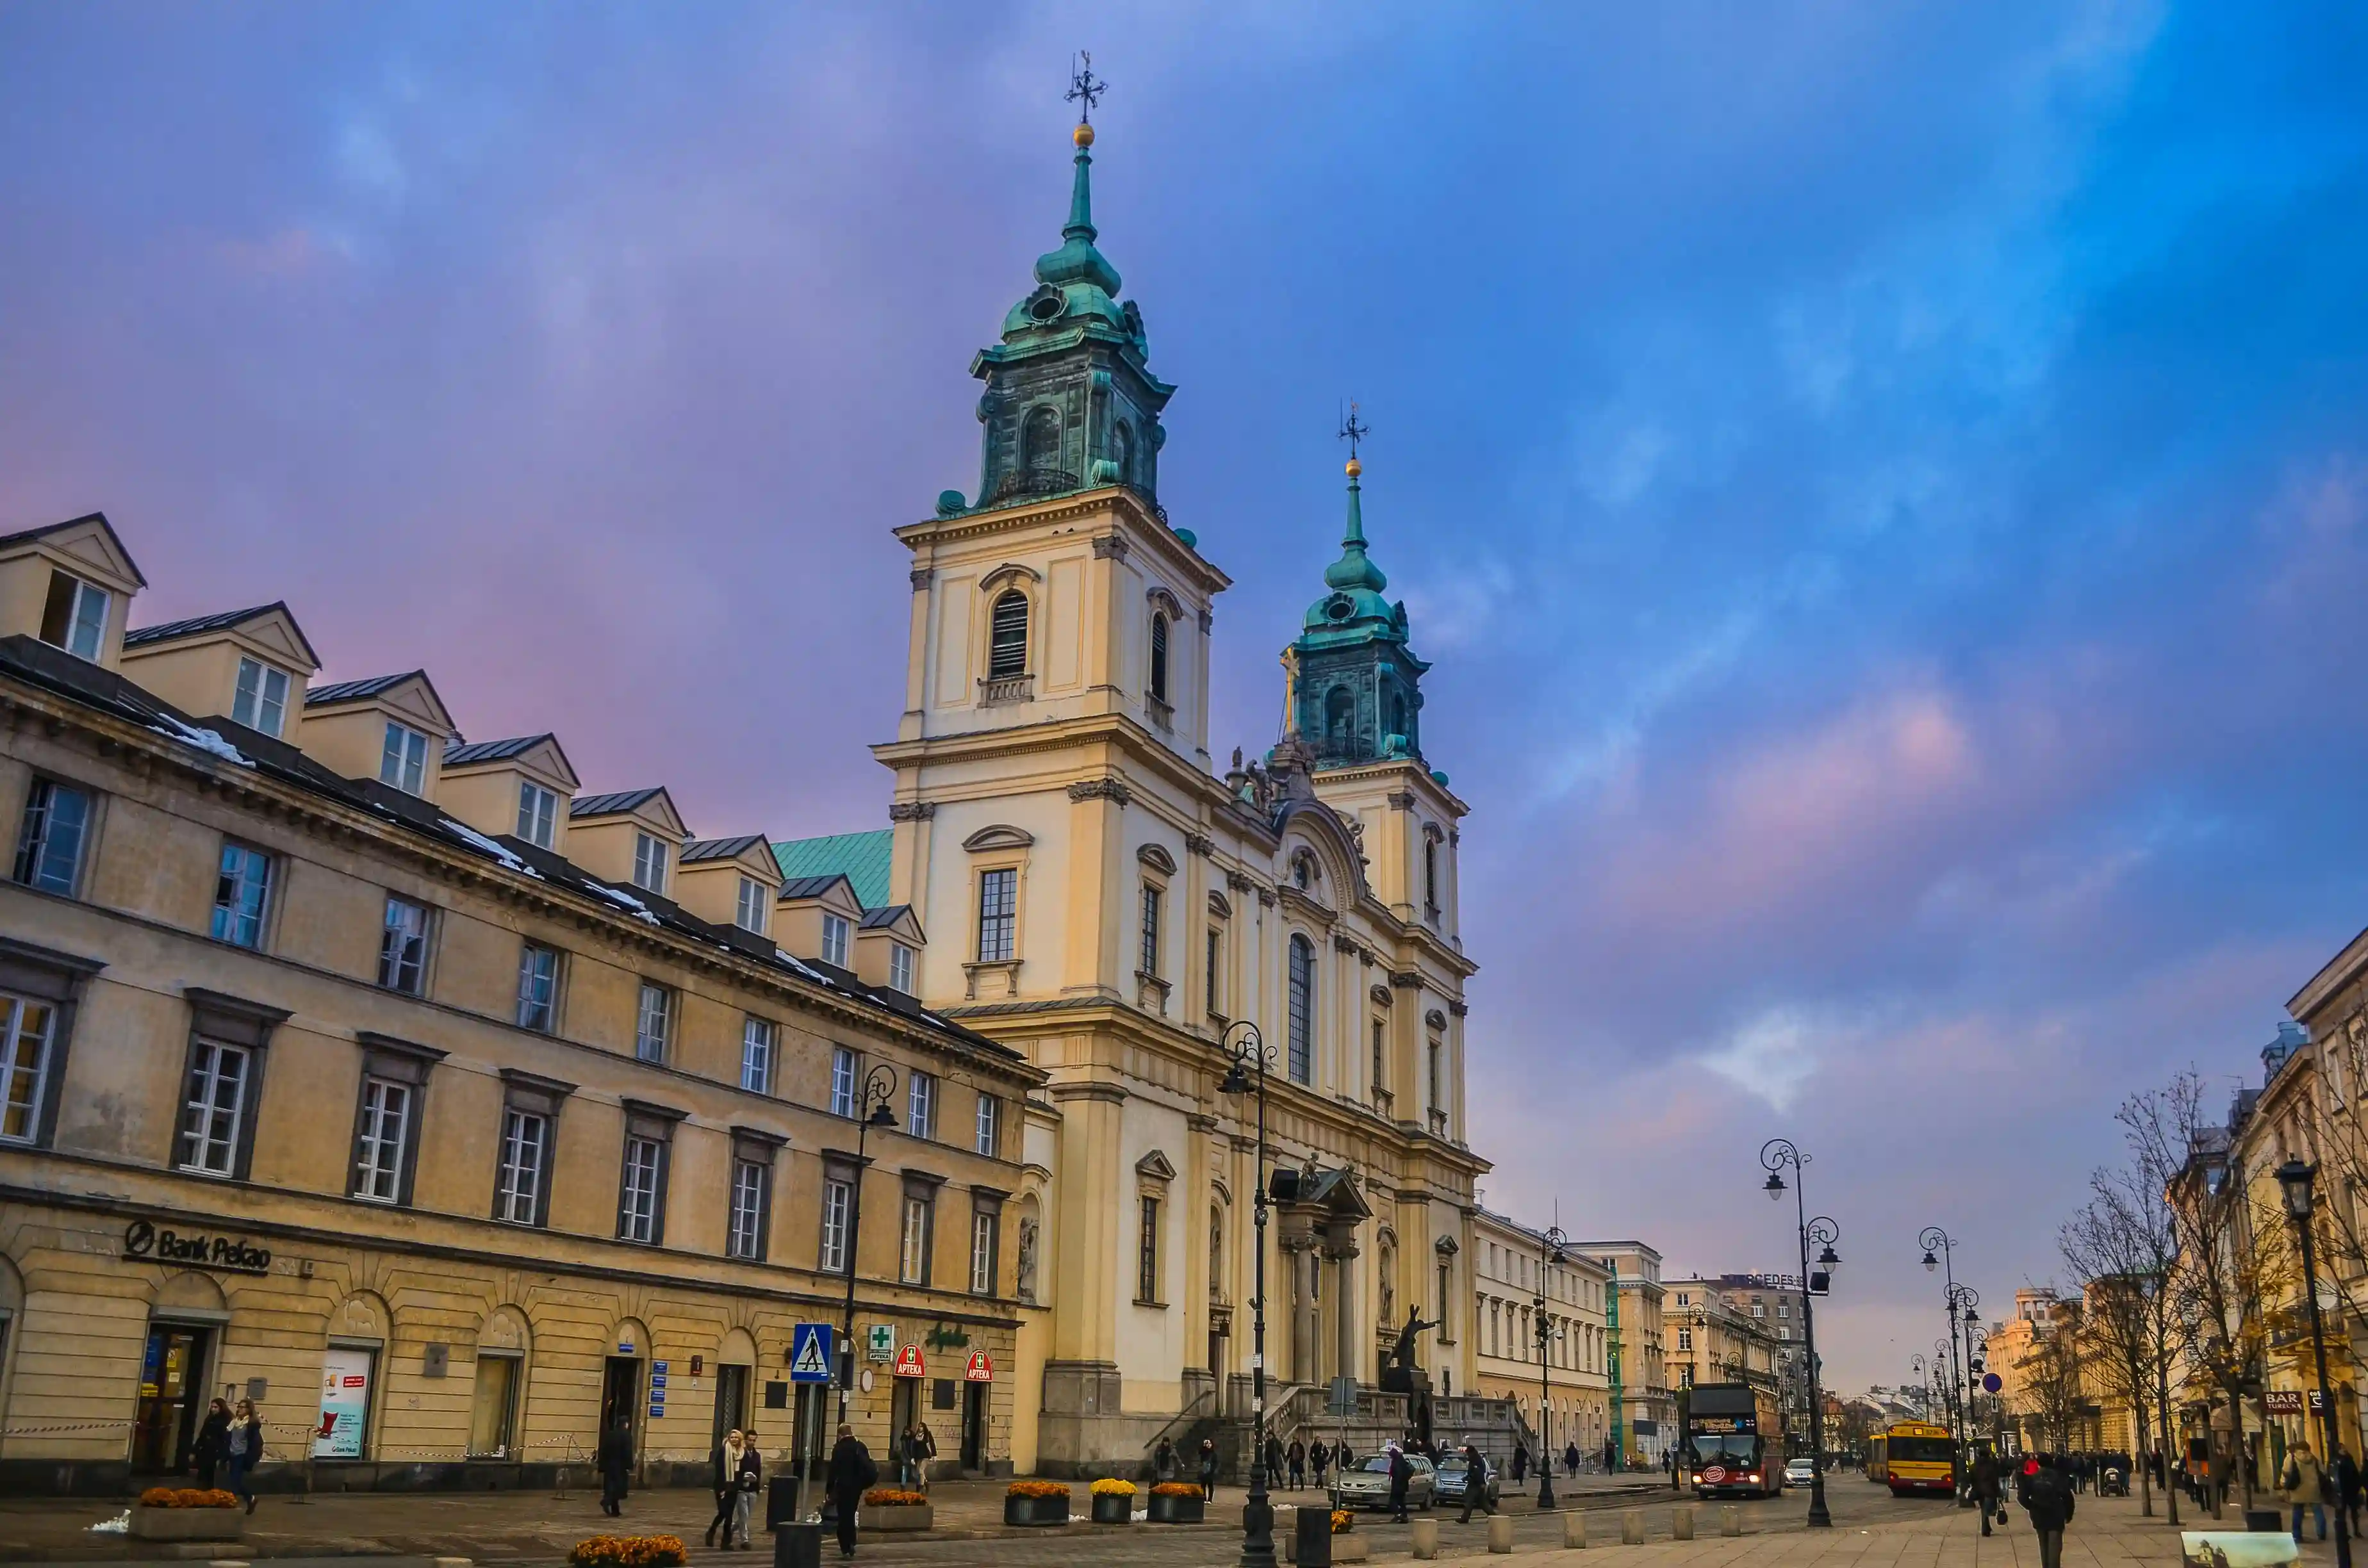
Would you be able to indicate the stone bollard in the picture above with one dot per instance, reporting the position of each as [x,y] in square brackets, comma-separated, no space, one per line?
[1730,1520]
[1574,1530]
[1500,1533]
[1632,1527]
[1681,1524]
[1425,1534]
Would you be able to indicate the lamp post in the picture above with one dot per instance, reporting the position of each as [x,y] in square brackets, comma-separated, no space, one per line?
[1963,1299]
[1774,1156]
[2295,1179]
[1550,1256]
[871,1102]
[1251,1057]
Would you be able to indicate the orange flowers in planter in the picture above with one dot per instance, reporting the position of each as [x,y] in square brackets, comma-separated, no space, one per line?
[630,1551]
[186,1497]
[1176,1489]
[1343,1521]
[892,1497]
[1114,1487]
[1046,1489]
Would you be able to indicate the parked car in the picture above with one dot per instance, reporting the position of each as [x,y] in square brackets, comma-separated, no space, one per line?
[1800,1472]
[1367,1485]
[1450,1478]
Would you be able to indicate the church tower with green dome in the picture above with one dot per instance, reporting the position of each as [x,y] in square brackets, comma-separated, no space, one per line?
[1356,693]
[1070,401]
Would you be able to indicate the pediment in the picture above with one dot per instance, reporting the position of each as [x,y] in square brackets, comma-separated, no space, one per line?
[1157,858]
[549,765]
[1155,1166]
[276,637]
[414,702]
[1002,835]
[89,545]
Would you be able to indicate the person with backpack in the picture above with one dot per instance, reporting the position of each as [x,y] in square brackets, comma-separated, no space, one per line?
[1986,1488]
[2046,1494]
[1475,1483]
[851,1473]
[2305,1485]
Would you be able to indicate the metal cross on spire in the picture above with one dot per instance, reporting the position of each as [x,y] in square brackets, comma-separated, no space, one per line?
[1352,431]
[1086,89]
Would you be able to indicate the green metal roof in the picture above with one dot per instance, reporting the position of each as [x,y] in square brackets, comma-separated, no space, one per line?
[861,857]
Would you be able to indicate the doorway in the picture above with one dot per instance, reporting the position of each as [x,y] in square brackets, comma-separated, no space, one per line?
[731,1400]
[973,1426]
[172,1387]
[620,1400]
[903,1410]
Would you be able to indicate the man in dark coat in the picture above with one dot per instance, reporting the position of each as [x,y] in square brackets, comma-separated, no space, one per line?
[615,1457]
[1475,1483]
[1297,1457]
[213,1443]
[1319,1460]
[1208,1470]
[1401,1477]
[1520,1463]
[2046,1496]
[1985,1486]
[852,1470]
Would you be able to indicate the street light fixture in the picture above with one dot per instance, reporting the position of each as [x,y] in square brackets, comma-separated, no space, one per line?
[2295,1179]
[1775,1155]
[871,1103]
[1246,1074]
[1550,1256]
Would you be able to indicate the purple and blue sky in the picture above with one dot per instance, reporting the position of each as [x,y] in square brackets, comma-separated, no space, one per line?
[1885,488]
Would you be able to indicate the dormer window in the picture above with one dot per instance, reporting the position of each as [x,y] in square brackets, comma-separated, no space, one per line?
[649,863]
[835,932]
[403,761]
[756,898]
[1006,650]
[538,816]
[1160,658]
[75,617]
[261,703]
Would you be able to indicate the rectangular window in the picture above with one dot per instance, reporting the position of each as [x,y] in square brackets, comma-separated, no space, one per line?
[213,1108]
[746,1238]
[1381,1055]
[1216,970]
[834,939]
[49,845]
[538,988]
[998,912]
[653,1023]
[913,1253]
[990,1126]
[24,1029]
[537,818]
[403,762]
[755,901]
[921,1105]
[838,1200]
[403,948]
[757,1055]
[1149,956]
[75,616]
[385,1134]
[1146,1259]
[649,863]
[492,1412]
[241,894]
[900,969]
[982,1254]
[842,1082]
[261,703]
[517,1182]
[638,1218]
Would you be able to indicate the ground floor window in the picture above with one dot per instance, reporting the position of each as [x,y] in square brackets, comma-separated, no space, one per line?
[348,1374]
[493,1411]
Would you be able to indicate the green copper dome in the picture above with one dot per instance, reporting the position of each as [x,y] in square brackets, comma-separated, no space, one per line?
[1358,689]
[1355,581]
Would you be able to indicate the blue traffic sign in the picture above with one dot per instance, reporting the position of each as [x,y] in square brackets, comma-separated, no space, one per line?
[810,1353]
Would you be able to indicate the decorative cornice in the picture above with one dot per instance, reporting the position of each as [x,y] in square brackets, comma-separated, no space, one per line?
[1238,882]
[920,578]
[1435,1019]
[1200,844]
[1407,978]
[1382,998]
[912,811]
[1402,801]
[1111,547]
[1207,621]
[1458,1010]
[1266,898]
[1344,944]
[1112,790]
[1110,1093]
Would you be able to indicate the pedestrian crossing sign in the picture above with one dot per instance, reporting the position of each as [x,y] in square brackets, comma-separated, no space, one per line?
[810,1353]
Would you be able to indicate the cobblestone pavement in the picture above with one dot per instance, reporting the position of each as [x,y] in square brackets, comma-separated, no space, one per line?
[1872,1530]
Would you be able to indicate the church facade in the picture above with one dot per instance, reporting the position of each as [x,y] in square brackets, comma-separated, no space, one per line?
[1102,898]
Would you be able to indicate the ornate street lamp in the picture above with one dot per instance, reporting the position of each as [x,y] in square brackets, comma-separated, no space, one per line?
[871,1103]
[2295,1179]
[1775,1155]
[1551,1256]
[1251,1056]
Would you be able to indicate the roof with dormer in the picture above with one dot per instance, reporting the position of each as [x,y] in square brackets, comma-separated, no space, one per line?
[861,857]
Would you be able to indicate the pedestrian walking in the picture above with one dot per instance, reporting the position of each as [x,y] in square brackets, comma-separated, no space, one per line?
[2046,1497]
[2348,1486]
[2304,1484]
[1401,1477]
[1298,1459]
[1570,1460]
[1319,1460]
[1475,1483]
[752,1480]
[615,1459]
[723,1477]
[1986,1488]
[850,1472]
[208,1450]
[1163,1461]
[243,1445]
[1274,1461]
[1521,1462]
[1208,1471]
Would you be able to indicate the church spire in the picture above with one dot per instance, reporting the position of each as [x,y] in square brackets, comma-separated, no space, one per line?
[1354,569]
[1356,693]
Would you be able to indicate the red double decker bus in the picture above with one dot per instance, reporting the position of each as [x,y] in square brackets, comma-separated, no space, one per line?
[1730,1429]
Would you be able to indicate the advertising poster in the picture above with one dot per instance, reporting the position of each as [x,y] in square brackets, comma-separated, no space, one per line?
[345,1404]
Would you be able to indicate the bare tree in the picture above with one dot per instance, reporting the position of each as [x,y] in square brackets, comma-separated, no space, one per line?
[2119,1253]
[2048,1373]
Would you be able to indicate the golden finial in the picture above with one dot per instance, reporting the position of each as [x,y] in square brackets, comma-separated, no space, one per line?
[1084,134]
[1355,468]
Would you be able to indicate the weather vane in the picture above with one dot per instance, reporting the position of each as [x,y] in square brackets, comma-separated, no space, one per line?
[1352,431]
[1086,89]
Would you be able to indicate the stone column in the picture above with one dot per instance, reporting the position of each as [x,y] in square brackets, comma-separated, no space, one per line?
[1340,1246]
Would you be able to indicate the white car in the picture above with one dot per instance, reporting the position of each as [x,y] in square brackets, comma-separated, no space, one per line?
[1800,1472]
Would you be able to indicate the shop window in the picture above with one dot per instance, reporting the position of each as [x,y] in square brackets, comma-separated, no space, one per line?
[493,1406]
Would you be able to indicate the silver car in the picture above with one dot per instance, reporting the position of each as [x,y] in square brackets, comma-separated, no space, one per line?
[1367,1485]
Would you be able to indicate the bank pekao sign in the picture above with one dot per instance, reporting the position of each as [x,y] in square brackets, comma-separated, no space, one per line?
[147,1242]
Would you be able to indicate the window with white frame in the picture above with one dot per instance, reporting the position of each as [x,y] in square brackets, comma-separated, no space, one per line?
[402,947]
[538,813]
[518,1185]
[990,1126]
[649,863]
[982,1227]
[755,907]
[538,988]
[999,912]
[402,761]
[842,1082]
[380,1144]
[26,1027]
[757,1055]
[900,967]
[75,616]
[838,1203]
[745,1236]
[213,1108]
[921,1105]
[653,1023]
[261,701]
[913,1246]
[49,843]
[640,1216]
[242,895]
[836,932]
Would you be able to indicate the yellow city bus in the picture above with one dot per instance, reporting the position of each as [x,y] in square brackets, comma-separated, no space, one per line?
[1913,1456]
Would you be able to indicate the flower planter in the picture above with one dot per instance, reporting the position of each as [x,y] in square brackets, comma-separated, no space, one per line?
[1349,1548]
[1177,1510]
[1036,1510]
[897,1517]
[188,1524]
[1112,1508]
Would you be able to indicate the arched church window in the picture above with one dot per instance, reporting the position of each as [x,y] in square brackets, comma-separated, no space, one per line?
[1340,713]
[1006,644]
[1430,874]
[1158,654]
[1301,1061]
[1398,714]
[1123,451]
[1040,440]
